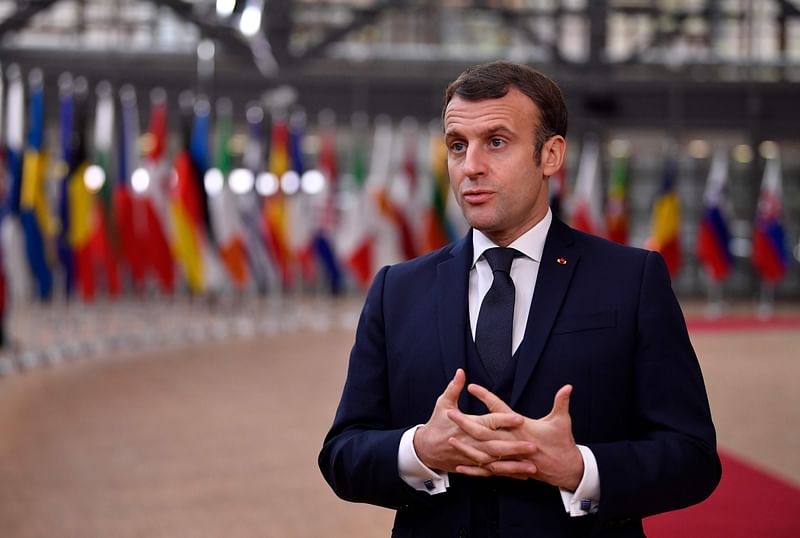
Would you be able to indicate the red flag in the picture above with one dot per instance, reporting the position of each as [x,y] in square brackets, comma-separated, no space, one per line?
[713,239]
[770,253]
[152,207]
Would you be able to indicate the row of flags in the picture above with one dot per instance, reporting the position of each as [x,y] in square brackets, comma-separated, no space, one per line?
[274,209]
[120,213]
[770,251]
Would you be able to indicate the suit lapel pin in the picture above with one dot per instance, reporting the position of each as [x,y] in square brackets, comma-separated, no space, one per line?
[561,261]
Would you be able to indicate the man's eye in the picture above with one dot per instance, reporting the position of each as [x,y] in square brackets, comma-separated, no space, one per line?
[457,147]
[497,142]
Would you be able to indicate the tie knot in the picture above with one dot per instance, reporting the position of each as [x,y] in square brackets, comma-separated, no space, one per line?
[500,258]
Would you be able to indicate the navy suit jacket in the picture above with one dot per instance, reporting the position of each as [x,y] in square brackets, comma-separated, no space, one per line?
[606,321]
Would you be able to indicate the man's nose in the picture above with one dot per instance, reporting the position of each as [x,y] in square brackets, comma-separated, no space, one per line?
[474,162]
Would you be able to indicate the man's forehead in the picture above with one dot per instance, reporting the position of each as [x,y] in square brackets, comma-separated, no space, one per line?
[499,112]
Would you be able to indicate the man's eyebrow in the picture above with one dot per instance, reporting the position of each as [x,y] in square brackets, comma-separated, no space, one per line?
[485,133]
[449,133]
[496,129]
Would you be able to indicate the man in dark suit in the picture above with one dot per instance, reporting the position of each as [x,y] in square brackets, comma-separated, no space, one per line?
[586,408]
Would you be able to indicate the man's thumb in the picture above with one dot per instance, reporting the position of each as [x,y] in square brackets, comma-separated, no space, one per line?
[454,388]
[561,401]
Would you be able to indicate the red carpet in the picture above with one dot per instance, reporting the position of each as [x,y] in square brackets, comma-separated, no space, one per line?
[746,322]
[748,503]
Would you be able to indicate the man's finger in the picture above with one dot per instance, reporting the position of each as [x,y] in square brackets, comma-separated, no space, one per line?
[561,401]
[508,450]
[470,452]
[454,388]
[491,451]
[500,421]
[473,470]
[486,427]
[489,399]
[512,468]
[526,470]
[495,421]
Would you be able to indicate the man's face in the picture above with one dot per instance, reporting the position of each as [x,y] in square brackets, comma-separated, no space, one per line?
[495,177]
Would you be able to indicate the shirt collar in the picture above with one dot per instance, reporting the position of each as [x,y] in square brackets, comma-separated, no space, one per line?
[530,244]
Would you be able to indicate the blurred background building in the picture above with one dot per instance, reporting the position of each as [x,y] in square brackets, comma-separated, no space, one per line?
[290,147]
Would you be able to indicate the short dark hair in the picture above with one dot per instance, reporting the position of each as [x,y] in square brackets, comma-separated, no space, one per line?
[494,80]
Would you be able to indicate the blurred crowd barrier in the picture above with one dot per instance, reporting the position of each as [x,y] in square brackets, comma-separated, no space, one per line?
[57,333]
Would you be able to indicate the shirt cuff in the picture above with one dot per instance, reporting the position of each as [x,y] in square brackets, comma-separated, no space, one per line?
[586,497]
[415,473]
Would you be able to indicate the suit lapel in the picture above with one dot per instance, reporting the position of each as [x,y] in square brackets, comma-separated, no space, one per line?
[559,259]
[452,286]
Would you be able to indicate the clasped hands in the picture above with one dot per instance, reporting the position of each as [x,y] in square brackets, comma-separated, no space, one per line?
[501,442]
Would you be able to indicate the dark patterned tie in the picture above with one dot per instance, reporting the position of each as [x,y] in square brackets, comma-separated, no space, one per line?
[496,317]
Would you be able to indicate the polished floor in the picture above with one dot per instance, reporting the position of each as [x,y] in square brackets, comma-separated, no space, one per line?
[218,436]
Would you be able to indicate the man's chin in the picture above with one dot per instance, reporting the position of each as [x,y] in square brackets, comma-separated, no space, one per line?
[480,220]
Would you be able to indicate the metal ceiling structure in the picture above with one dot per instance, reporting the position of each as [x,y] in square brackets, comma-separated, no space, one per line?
[673,63]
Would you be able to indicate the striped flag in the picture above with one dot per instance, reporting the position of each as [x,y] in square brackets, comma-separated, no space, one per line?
[666,219]
[152,190]
[3,193]
[770,251]
[300,221]
[355,234]
[82,221]
[617,203]
[399,200]
[587,213]
[68,141]
[387,245]
[713,242]
[186,208]
[249,203]
[200,154]
[20,283]
[34,210]
[221,203]
[105,241]
[324,202]
[124,203]
[437,232]
[390,188]
[275,219]
[185,215]
[15,137]
[214,279]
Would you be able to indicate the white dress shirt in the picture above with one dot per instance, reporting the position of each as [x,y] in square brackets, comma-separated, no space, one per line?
[524,270]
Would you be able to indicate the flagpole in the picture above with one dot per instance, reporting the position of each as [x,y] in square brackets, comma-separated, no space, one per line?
[270,314]
[766,304]
[715,305]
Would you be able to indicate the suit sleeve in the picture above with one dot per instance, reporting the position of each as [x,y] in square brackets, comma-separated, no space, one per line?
[670,460]
[359,455]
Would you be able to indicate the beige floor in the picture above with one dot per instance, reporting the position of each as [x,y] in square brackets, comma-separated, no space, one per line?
[221,439]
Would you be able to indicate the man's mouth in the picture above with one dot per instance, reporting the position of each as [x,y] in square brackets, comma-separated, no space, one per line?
[477,196]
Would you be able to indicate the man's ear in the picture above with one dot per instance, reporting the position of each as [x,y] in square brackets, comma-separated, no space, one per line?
[553,152]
